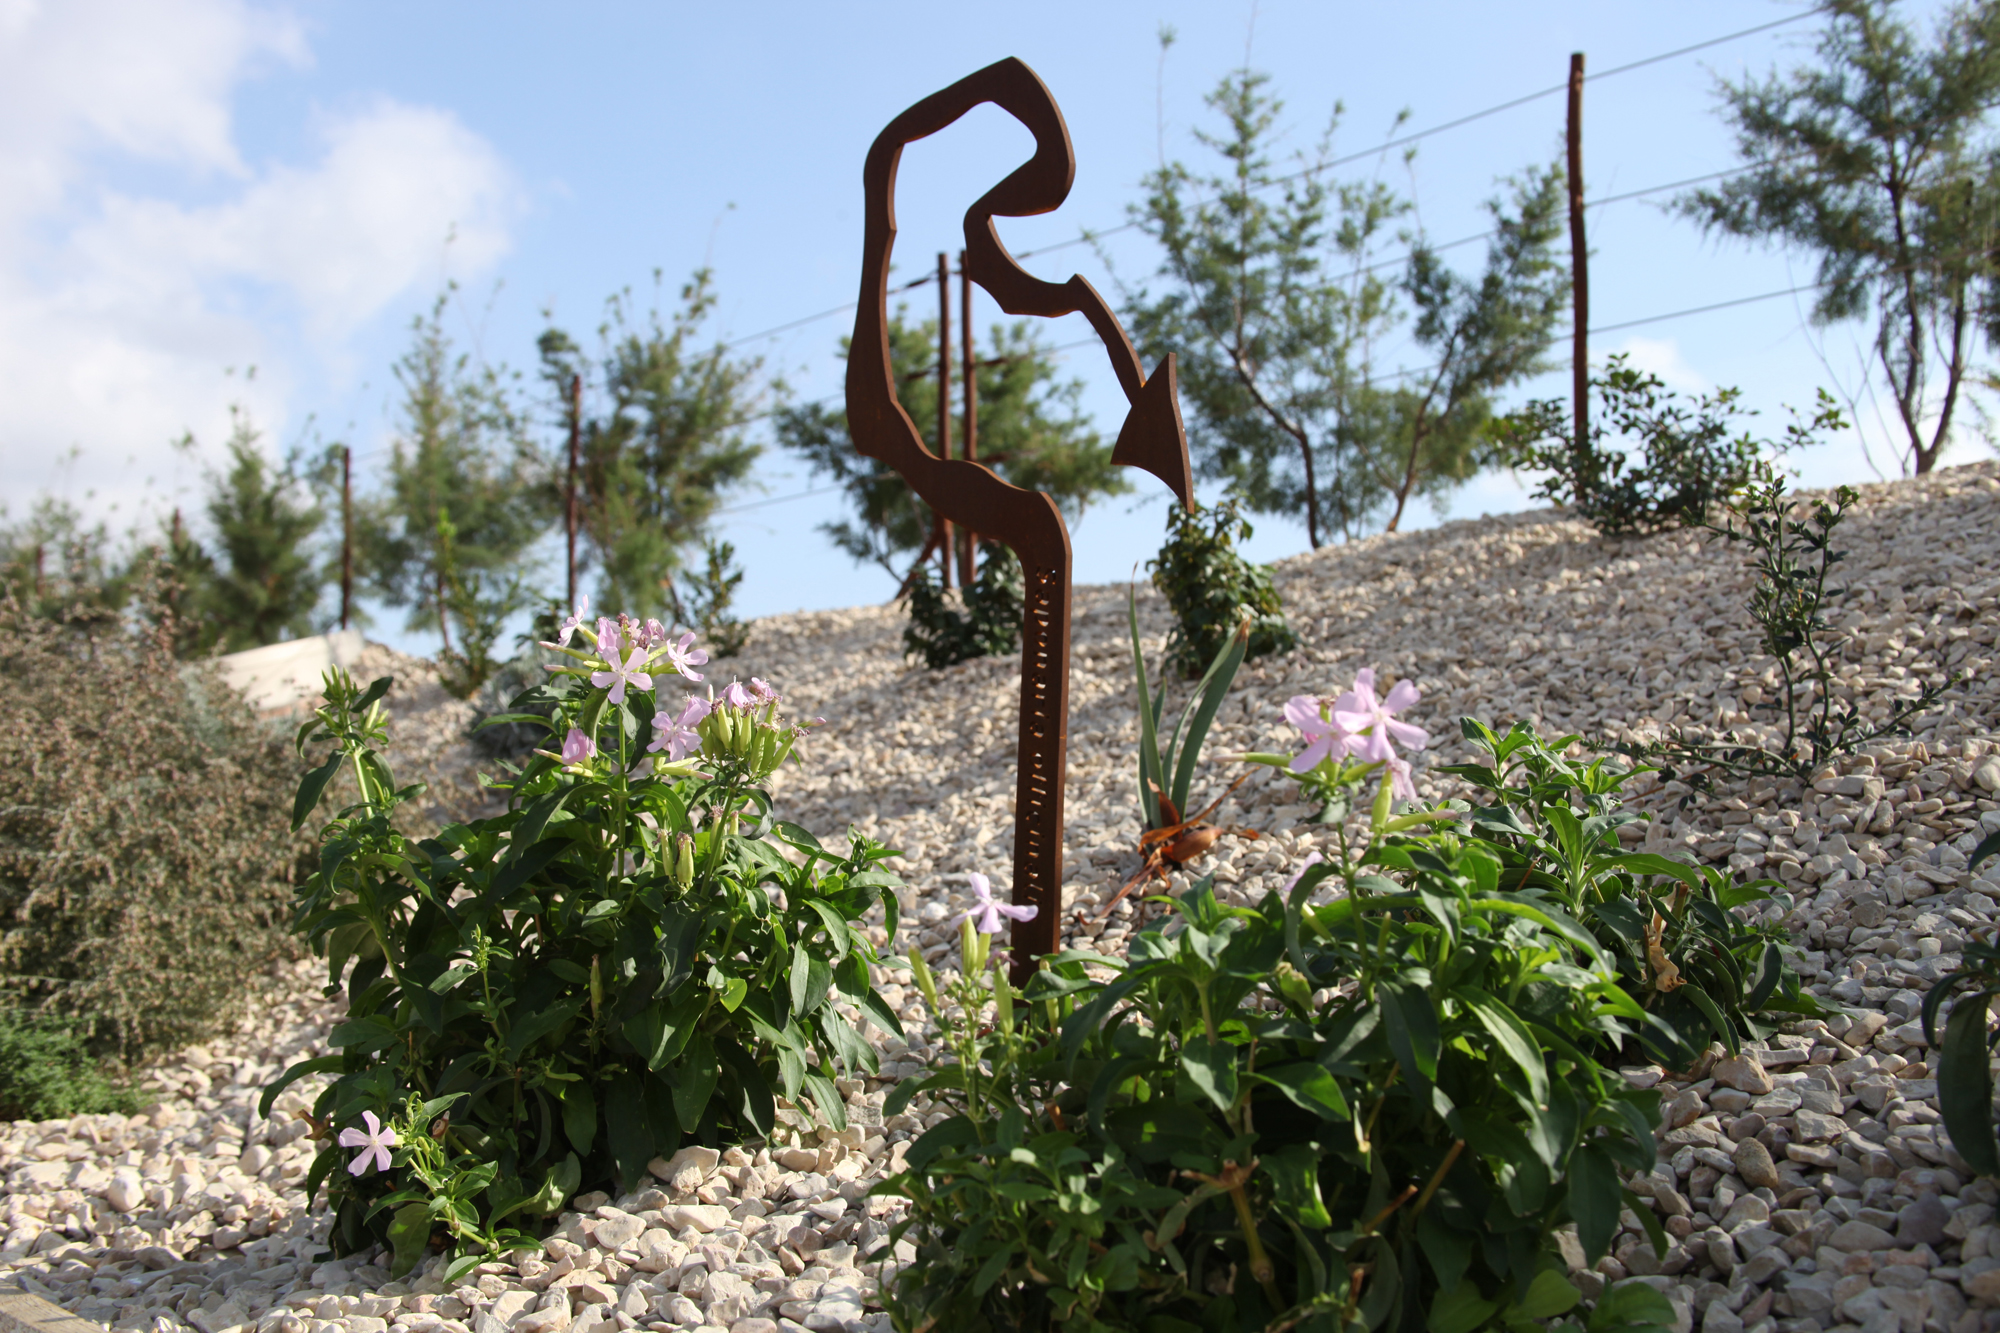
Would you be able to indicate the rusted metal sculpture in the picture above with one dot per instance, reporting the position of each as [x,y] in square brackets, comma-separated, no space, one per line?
[967,493]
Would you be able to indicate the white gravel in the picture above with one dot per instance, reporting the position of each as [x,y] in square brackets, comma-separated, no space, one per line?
[1807,1186]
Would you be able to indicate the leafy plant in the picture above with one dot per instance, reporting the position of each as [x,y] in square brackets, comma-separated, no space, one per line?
[1674,465]
[636,952]
[1965,1071]
[1677,931]
[479,603]
[1212,589]
[1793,558]
[145,865]
[1369,1112]
[47,1072]
[709,595]
[989,624]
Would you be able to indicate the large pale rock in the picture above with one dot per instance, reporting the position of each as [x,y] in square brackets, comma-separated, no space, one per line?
[126,1190]
[685,1171]
[614,1229]
[1742,1072]
[1858,1237]
[1754,1164]
[702,1217]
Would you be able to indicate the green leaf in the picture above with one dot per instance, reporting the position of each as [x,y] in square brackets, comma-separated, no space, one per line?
[694,1079]
[579,1116]
[1724,1030]
[1460,1310]
[1988,846]
[319,1064]
[1632,1307]
[1150,772]
[1294,1171]
[1310,1087]
[312,786]
[1214,687]
[627,1132]
[836,926]
[1512,1037]
[1965,1086]
[409,1237]
[1410,1023]
[1549,1295]
[811,979]
[1594,1199]
[1211,1066]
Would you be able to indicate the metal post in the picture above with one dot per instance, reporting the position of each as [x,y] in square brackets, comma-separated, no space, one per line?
[944,401]
[346,532]
[1579,257]
[569,487]
[968,560]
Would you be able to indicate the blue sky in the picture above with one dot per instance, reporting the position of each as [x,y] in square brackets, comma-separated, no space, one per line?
[189,188]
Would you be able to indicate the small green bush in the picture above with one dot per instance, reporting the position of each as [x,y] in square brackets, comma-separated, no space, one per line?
[989,624]
[145,863]
[1371,1113]
[1212,589]
[48,1073]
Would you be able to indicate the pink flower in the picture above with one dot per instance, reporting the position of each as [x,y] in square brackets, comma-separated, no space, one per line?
[374,1143]
[569,626]
[577,747]
[677,735]
[736,696]
[656,634]
[681,659]
[618,677]
[763,691]
[1400,785]
[607,638]
[1300,873]
[1370,720]
[1324,740]
[987,911]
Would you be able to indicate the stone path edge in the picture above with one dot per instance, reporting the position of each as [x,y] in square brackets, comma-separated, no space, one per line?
[24,1312]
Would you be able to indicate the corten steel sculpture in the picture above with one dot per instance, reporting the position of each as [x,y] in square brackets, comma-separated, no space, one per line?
[966,492]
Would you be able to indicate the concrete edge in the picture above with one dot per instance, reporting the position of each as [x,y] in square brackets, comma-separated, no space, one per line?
[21,1312]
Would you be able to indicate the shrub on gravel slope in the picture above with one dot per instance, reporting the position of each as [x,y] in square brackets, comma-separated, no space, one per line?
[145,865]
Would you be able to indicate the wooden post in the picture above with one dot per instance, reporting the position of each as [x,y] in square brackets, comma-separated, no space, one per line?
[346,532]
[944,401]
[968,560]
[1579,257]
[569,489]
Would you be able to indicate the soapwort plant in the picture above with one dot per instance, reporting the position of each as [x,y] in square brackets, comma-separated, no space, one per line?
[1366,1102]
[637,953]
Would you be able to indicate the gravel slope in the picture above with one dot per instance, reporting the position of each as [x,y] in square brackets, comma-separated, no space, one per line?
[1807,1187]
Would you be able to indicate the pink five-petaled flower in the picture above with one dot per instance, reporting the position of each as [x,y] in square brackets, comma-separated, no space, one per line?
[677,735]
[1324,740]
[577,747]
[987,911]
[607,638]
[1370,720]
[374,1142]
[656,634]
[763,690]
[681,659]
[575,620]
[618,677]
[736,696]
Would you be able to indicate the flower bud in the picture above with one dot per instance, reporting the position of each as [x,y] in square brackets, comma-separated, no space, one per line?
[925,981]
[684,860]
[1003,998]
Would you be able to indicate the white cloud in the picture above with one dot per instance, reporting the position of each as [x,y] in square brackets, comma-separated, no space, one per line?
[120,307]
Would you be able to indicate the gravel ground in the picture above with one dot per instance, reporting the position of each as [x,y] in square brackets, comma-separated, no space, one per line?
[1807,1185]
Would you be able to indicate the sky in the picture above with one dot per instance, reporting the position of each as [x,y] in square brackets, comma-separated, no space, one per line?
[214,203]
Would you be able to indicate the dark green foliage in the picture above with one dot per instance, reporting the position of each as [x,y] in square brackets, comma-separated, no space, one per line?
[667,438]
[1877,163]
[1367,1114]
[1212,589]
[1554,826]
[1273,298]
[462,452]
[262,582]
[1032,431]
[704,603]
[1965,1073]
[145,865]
[48,1073]
[58,567]
[1650,462]
[1794,558]
[478,605]
[634,955]
[1166,772]
[986,621]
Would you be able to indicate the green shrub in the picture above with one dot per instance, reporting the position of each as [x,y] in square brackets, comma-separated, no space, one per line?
[635,953]
[1371,1113]
[145,864]
[1212,589]
[48,1073]
[990,622]
[1678,464]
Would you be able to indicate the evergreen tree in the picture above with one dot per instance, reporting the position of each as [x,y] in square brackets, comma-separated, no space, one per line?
[462,453]
[1873,162]
[1032,431]
[667,438]
[263,582]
